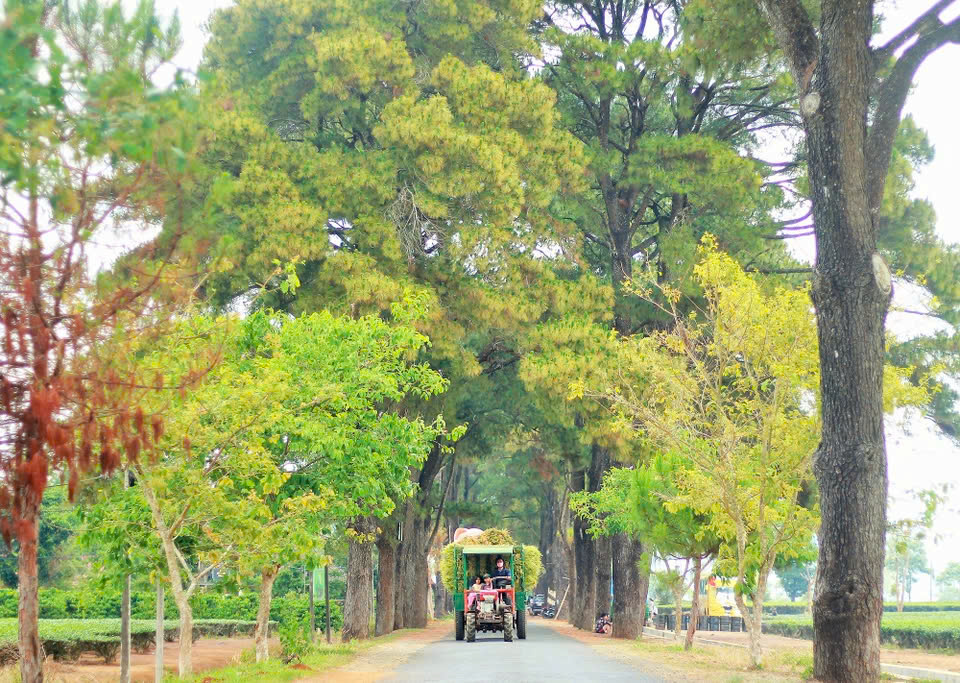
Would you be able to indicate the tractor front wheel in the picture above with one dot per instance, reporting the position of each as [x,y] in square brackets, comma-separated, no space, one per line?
[522,625]
[471,627]
[508,627]
[458,619]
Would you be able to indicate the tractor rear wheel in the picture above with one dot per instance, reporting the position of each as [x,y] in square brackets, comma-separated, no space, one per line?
[522,625]
[471,627]
[508,627]
[458,619]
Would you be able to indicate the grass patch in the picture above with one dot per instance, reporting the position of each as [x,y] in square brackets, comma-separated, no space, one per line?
[727,663]
[323,658]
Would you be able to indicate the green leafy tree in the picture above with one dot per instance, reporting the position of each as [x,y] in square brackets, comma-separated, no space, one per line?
[729,391]
[643,502]
[794,577]
[391,148]
[948,582]
[285,434]
[906,555]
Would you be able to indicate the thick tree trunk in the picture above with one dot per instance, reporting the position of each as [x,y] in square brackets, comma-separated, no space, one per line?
[604,576]
[695,605]
[31,650]
[583,595]
[547,541]
[412,577]
[851,292]
[386,591]
[356,603]
[628,589]
[599,550]
[262,630]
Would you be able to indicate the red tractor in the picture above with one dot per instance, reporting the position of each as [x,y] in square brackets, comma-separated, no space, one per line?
[497,608]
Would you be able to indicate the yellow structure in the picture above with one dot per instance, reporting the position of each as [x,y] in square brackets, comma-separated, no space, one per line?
[720,602]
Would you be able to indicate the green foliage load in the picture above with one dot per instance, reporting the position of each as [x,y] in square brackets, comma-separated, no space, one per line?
[528,571]
[928,630]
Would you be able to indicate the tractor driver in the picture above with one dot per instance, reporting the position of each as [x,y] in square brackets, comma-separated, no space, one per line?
[502,570]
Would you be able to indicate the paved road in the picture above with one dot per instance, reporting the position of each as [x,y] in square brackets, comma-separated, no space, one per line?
[545,655]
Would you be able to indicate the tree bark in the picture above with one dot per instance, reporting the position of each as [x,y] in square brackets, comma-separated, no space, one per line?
[262,630]
[386,591]
[356,603]
[695,605]
[753,617]
[604,575]
[31,650]
[851,113]
[851,293]
[583,594]
[628,587]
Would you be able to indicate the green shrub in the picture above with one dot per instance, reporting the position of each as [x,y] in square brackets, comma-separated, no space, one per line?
[928,630]
[67,639]
[98,604]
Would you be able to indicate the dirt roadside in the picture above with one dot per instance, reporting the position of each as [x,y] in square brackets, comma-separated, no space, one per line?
[377,662]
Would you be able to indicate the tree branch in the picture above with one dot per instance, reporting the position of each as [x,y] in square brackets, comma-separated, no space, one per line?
[893,95]
[912,30]
[796,35]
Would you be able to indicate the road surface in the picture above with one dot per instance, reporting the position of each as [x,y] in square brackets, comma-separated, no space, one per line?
[546,655]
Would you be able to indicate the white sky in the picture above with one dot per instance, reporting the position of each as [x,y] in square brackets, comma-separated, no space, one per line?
[918,456]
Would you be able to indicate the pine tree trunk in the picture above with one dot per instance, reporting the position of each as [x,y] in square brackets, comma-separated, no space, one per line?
[412,577]
[695,606]
[604,575]
[31,650]
[628,587]
[356,603]
[386,591]
[583,594]
[262,631]
[599,550]
[851,293]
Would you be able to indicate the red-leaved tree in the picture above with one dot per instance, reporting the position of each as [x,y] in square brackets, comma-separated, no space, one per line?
[91,152]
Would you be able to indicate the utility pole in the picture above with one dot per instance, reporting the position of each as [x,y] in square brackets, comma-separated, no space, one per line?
[158,672]
[125,614]
[326,596]
[313,613]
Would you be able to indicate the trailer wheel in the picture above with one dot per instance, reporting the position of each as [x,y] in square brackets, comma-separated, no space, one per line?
[458,619]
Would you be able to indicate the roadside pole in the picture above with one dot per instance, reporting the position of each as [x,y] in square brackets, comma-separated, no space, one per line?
[125,614]
[158,671]
[326,596]
[313,612]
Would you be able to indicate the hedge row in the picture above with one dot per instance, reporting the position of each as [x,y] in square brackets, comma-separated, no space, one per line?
[67,639]
[94,604]
[931,630]
[790,608]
